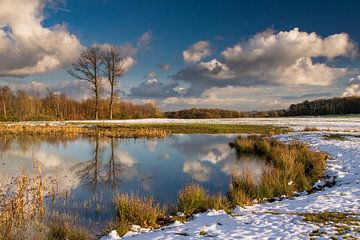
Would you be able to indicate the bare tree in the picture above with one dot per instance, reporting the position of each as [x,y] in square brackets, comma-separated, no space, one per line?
[88,68]
[114,69]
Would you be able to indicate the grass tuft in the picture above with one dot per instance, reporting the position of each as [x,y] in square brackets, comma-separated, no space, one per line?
[136,210]
[292,167]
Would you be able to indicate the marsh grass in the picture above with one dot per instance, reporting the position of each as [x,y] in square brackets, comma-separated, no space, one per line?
[293,167]
[341,223]
[131,130]
[194,199]
[310,129]
[23,212]
[338,137]
[70,130]
[132,209]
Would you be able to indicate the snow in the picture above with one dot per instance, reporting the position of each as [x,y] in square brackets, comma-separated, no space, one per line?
[282,219]
[347,124]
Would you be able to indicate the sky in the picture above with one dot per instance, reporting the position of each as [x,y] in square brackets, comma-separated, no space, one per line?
[241,55]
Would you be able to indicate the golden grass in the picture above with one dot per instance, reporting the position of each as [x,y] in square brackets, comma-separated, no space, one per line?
[194,199]
[136,210]
[293,167]
[74,130]
[23,214]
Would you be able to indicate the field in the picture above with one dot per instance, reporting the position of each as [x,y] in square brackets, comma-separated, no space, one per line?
[329,210]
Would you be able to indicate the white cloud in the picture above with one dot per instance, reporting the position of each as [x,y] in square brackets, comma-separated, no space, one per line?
[151,75]
[197,171]
[144,40]
[197,51]
[217,69]
[246,98]
[286,57]
[269,58]
[164,66]
[26,46]
[352,90]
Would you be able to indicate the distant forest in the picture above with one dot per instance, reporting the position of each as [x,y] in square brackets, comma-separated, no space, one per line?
[22,106]
[333,106]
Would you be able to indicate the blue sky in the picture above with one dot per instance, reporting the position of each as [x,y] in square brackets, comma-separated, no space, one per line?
[213,79]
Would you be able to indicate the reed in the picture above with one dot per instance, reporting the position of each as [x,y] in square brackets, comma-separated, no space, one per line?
[294,167]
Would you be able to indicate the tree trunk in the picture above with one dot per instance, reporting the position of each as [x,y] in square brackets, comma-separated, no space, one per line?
[111,103]
[4,108]
[96,105]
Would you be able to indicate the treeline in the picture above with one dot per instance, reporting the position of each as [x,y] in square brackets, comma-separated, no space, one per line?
[22,106]
[345,105]
[198,113]
[202,113]
[333,106]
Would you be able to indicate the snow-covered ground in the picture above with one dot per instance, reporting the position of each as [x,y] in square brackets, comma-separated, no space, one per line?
[348,124]
[283,219]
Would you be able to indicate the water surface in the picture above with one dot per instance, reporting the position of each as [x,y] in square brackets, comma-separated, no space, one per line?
[93,170]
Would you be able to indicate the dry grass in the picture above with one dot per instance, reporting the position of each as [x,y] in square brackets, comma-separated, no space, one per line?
[310,129]
[194,199]
[73,131]
[23,214]
[292,167]
[136,210]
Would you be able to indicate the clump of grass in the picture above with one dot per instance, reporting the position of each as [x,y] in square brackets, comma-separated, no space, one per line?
[23,214]
[292,167]
[194,199]
[310,129]
[338,137]
[136,210]
[63,229]
[342,223]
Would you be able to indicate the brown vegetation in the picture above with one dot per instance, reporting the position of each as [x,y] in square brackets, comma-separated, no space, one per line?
[22,106]
[293,167]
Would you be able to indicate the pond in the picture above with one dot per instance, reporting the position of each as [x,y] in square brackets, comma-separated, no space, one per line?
[92,170]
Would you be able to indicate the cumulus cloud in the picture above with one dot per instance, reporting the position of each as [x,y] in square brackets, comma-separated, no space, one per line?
[151,75]
[353,89]
[164,66]
[246,98]
[144,40]
[152,88]
[197,52]
[271,58]
[197,171]
[26,46]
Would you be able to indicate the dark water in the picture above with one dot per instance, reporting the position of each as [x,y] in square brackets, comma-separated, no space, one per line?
[93,170]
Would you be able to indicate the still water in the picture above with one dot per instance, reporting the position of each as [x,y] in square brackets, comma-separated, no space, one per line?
[92,170]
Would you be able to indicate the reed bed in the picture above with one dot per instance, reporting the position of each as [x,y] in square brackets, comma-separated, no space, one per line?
[293,168]
[23,212]
[70,130]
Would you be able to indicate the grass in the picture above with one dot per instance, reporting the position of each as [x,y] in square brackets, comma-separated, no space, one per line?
[341,223]
[133,130]
[208,128]
[136,210]
[338,137]
[62,229]
[23,214]
[310,129]
[292,168]
[76,130]
[194,199]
